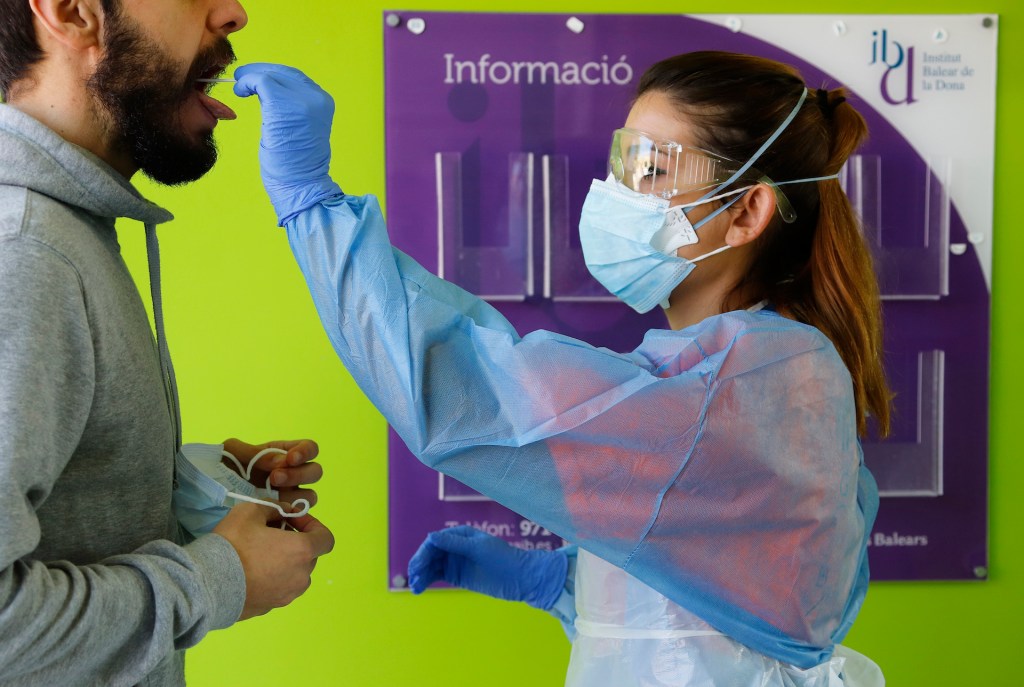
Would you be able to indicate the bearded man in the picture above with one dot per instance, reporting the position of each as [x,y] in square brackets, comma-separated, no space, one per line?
[102,579]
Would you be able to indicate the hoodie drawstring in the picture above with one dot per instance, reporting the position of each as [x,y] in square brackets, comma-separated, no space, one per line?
[166,368]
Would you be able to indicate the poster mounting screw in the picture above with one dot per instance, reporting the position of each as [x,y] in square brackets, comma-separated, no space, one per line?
[575,24]
[988,22]
[940,35]
[392,20]
[839,27]
[734,24]
[980,571]
[958,248]
[398,581]
[416,25]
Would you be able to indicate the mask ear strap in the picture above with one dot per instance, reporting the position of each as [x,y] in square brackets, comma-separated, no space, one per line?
[276,506]
[760,151]
[687,206]
[714,252]
[665,303]
[802,181]
[704,220]
[246,472]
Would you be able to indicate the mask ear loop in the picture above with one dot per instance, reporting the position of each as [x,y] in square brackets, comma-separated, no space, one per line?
[760,151]
[714,193]
[725,206]
[276,506]
[246,472]
[739,194]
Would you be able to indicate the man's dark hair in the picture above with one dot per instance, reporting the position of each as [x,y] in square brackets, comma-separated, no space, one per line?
[19,49]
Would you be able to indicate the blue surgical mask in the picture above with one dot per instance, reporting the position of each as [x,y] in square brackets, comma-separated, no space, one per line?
[206,489]
[630,241]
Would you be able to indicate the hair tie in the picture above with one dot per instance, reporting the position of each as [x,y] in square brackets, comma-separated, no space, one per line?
[827,106]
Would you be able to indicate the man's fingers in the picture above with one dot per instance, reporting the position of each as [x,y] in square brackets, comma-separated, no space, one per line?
[238,448]
[288,454]
[292,495]
[259,513]
[270,461]
[295,476]
[299,450]
[319,536]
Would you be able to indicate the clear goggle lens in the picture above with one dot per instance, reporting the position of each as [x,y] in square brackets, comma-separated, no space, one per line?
[666,169]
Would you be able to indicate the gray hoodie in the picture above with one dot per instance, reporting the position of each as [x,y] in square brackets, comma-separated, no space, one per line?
[95,586]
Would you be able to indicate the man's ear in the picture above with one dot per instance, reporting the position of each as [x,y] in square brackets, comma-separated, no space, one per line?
[751,215]
[76,24]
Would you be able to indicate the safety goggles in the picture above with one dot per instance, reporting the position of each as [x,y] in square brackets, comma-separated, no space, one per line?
[666,169]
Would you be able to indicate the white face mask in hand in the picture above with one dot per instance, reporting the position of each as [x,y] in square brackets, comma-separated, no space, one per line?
[207,489]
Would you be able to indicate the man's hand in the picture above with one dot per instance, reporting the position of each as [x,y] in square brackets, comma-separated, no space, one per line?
[287,472]
[277,563]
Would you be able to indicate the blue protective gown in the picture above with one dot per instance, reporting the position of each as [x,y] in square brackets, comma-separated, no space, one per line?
[718,464]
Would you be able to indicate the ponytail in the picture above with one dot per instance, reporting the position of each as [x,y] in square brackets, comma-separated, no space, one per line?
[842,299]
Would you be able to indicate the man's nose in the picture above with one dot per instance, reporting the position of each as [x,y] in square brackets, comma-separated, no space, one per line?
[227,16]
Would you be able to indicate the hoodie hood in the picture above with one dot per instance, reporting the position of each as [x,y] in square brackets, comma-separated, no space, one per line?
[33,156]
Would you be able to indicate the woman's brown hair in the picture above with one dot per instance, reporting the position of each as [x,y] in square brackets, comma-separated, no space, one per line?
[817,269]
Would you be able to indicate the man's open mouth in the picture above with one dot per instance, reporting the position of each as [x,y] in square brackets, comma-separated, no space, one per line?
[205,81]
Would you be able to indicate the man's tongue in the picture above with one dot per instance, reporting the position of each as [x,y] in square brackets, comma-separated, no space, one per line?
[218,109]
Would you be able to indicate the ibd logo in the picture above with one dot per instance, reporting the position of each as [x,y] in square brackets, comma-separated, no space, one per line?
[899,68]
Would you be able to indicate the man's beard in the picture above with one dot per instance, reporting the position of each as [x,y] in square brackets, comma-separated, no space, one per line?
[141,90]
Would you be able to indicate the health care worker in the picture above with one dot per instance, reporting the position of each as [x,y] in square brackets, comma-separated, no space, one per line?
[712,479]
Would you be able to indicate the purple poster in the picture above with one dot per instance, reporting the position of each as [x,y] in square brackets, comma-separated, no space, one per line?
[497,123]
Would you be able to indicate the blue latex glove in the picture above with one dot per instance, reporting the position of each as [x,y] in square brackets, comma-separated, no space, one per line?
[465,557]
[295,147]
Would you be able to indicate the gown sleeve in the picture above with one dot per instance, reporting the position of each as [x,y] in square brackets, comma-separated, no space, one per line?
[719,464]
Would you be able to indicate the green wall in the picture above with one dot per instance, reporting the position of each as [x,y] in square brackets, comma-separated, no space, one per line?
[254,363]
